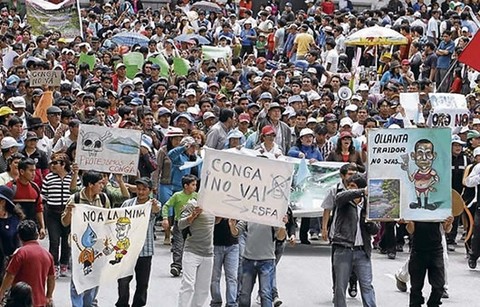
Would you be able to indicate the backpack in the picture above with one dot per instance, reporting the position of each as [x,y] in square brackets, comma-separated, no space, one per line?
[103,198]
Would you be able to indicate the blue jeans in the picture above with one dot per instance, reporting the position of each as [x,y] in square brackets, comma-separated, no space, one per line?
[345,260]
[87,298]
[226,256]
[264,269]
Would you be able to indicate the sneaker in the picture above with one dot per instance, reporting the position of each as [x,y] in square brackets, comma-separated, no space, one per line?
[63,270]
[57,271]
[314,237]
[391,255]
[450,247]
[277,302]
[472,263]
[352,289]
[445,294]
[401,286]
[175,271]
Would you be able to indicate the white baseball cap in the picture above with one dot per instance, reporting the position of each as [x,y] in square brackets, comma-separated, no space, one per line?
[346,121]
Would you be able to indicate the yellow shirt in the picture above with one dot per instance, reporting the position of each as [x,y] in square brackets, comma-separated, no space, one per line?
[303,41]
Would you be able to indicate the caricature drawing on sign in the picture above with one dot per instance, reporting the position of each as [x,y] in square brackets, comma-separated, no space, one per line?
[87,254]
[123,241]
[425,177]
[93,142]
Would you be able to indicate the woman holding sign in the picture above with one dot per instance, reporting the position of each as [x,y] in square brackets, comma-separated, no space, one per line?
[305,149]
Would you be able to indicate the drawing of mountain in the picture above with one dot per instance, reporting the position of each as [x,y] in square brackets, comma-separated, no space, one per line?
[125,145]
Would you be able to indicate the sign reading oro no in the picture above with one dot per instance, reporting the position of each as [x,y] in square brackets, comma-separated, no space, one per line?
[246,188]
[45,77]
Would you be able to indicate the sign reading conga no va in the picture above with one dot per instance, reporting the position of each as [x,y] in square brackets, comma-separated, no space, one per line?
[45,77]
[110,150]
[246,188]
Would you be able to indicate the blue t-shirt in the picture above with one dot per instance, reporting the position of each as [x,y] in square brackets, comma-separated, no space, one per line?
[443,61]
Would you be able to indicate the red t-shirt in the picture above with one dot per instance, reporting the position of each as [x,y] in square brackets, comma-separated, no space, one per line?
[28,198]
[32,264]
[328,7]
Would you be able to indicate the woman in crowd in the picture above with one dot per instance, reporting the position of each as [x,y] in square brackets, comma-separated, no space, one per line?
[56,190]
[12,169]
[345,152]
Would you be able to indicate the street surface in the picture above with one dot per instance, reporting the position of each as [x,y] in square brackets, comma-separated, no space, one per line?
[304,280]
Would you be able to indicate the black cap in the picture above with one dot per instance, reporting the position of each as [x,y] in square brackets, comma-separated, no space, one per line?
[145,181]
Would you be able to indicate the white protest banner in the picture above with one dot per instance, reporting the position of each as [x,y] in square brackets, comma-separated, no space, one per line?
[111,150]
[45,77]
[245,188]
[448,110]
[8,59]
[106,243]
[211,52]
[64,17]
[409,174]
[409,102]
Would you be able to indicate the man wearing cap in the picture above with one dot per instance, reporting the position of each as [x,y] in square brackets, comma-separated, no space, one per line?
[44,144]
[292,29]
[67,140]
[346,125]
[54,129]
[18,104]
[283,135]
[288,15]
[40,157]
[120,77]
[144,262]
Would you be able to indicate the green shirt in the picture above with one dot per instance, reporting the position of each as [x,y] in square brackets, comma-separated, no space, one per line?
[177,202]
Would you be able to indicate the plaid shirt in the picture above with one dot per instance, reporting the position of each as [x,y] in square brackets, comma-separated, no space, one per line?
[148,246]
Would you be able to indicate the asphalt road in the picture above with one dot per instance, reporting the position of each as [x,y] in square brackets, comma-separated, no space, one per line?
[304,280]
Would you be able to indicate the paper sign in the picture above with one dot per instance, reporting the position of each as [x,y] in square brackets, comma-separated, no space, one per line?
[211,52]
[180,66]
[409,174]
[245,188]
[45,77]
[106,243]
[111,150]
[8,59]
[448,110]
[410,101]
[63,17]
[89,59]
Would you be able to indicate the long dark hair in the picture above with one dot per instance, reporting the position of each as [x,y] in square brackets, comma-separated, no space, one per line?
[20,295]
[351,148]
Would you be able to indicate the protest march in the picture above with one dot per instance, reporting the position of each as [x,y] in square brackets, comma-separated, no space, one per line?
[227,134]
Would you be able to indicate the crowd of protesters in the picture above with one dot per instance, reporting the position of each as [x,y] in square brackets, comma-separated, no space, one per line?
[279,91]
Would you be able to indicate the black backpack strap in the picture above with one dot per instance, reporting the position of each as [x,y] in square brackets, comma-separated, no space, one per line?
[76,197]
[103,198]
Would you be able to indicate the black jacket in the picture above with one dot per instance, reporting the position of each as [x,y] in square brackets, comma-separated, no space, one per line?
[346,220]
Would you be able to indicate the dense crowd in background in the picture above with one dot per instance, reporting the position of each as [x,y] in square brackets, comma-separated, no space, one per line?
[276,92]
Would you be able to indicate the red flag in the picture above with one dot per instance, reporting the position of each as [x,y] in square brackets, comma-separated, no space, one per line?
[469,55]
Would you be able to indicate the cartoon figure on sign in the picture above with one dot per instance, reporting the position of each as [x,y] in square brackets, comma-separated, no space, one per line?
[87,254]
[123,241]
[425,177]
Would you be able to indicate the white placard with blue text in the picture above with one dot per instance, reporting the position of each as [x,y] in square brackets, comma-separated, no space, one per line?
[109,150]
[245,188]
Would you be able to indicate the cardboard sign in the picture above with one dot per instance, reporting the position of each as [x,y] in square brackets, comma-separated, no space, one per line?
[245,188]
[111,150]
[448,110]
[409,174]
[45,77]
[106,243]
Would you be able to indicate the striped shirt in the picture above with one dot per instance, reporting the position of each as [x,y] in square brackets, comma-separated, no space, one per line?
[148,246]
[56,191]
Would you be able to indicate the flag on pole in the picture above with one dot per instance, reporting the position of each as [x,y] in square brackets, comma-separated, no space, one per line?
[469,55]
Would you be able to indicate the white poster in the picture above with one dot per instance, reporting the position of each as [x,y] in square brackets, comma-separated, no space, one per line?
[45,77]
[410,101]
[111,150]
[246,188]
[106,243]
[448,110]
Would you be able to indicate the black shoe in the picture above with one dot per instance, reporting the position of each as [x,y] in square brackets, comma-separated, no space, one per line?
[431,206]
[391,255]
[399,248]
[401,286]
[352,289]
[306,242]
[472,263]
[415,205]
[175,271]
[445,294]
[383,251]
